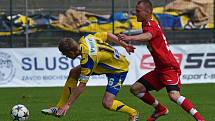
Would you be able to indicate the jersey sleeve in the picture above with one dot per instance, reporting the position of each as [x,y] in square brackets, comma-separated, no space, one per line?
[101,35]
[87,66]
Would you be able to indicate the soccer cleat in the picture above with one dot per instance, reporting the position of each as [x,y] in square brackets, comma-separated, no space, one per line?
[134,117]
[50,111]
[158,112]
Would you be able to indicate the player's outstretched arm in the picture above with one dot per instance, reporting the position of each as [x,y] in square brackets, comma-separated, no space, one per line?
[140,37]
[76,93]
[113,38]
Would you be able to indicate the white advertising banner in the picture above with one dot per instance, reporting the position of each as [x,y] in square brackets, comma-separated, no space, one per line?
[34,67]
[197,62]
[38,67]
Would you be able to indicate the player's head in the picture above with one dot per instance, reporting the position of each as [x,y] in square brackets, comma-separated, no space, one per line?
[144,10]
[69,47]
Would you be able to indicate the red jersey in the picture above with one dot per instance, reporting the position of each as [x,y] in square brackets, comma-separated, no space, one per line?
[158,47]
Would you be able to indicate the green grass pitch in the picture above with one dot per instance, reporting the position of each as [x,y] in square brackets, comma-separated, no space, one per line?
[89,105]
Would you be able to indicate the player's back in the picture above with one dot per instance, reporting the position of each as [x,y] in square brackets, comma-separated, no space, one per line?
[105,58]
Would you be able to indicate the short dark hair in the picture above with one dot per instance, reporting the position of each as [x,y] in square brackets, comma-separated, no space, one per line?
[147,4]
[68,44]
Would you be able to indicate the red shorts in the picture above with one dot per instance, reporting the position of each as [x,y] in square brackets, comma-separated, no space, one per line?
[162,78]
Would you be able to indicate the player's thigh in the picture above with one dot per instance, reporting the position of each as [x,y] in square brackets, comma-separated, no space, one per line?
[173,92]
[152,81]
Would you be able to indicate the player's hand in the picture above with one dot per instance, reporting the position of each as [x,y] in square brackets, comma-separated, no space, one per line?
[123,37]
[62,111]
[130,49]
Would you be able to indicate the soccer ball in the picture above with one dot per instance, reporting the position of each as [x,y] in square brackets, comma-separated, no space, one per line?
[19,113]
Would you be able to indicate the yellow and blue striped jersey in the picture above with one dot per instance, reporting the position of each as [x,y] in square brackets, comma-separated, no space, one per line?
[98,57]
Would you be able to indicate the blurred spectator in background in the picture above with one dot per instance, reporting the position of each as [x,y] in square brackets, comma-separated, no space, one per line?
[73,18]
[200,11]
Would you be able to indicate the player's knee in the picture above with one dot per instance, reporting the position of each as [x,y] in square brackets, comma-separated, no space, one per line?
[107,101]
[107,104]
[133,90]
[174,95]
[137,88]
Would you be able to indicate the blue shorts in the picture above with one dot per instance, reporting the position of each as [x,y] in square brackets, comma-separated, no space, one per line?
[115,82]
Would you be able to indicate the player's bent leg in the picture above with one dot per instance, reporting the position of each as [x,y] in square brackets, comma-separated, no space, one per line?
[67,90]
[139,89]
[110,103]
[176,97]
[70,85]
[115,82]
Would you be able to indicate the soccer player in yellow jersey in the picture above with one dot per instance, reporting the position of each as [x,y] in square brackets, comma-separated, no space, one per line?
[97,57]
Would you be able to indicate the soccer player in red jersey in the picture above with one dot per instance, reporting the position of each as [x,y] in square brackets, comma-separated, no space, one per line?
[167,70]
